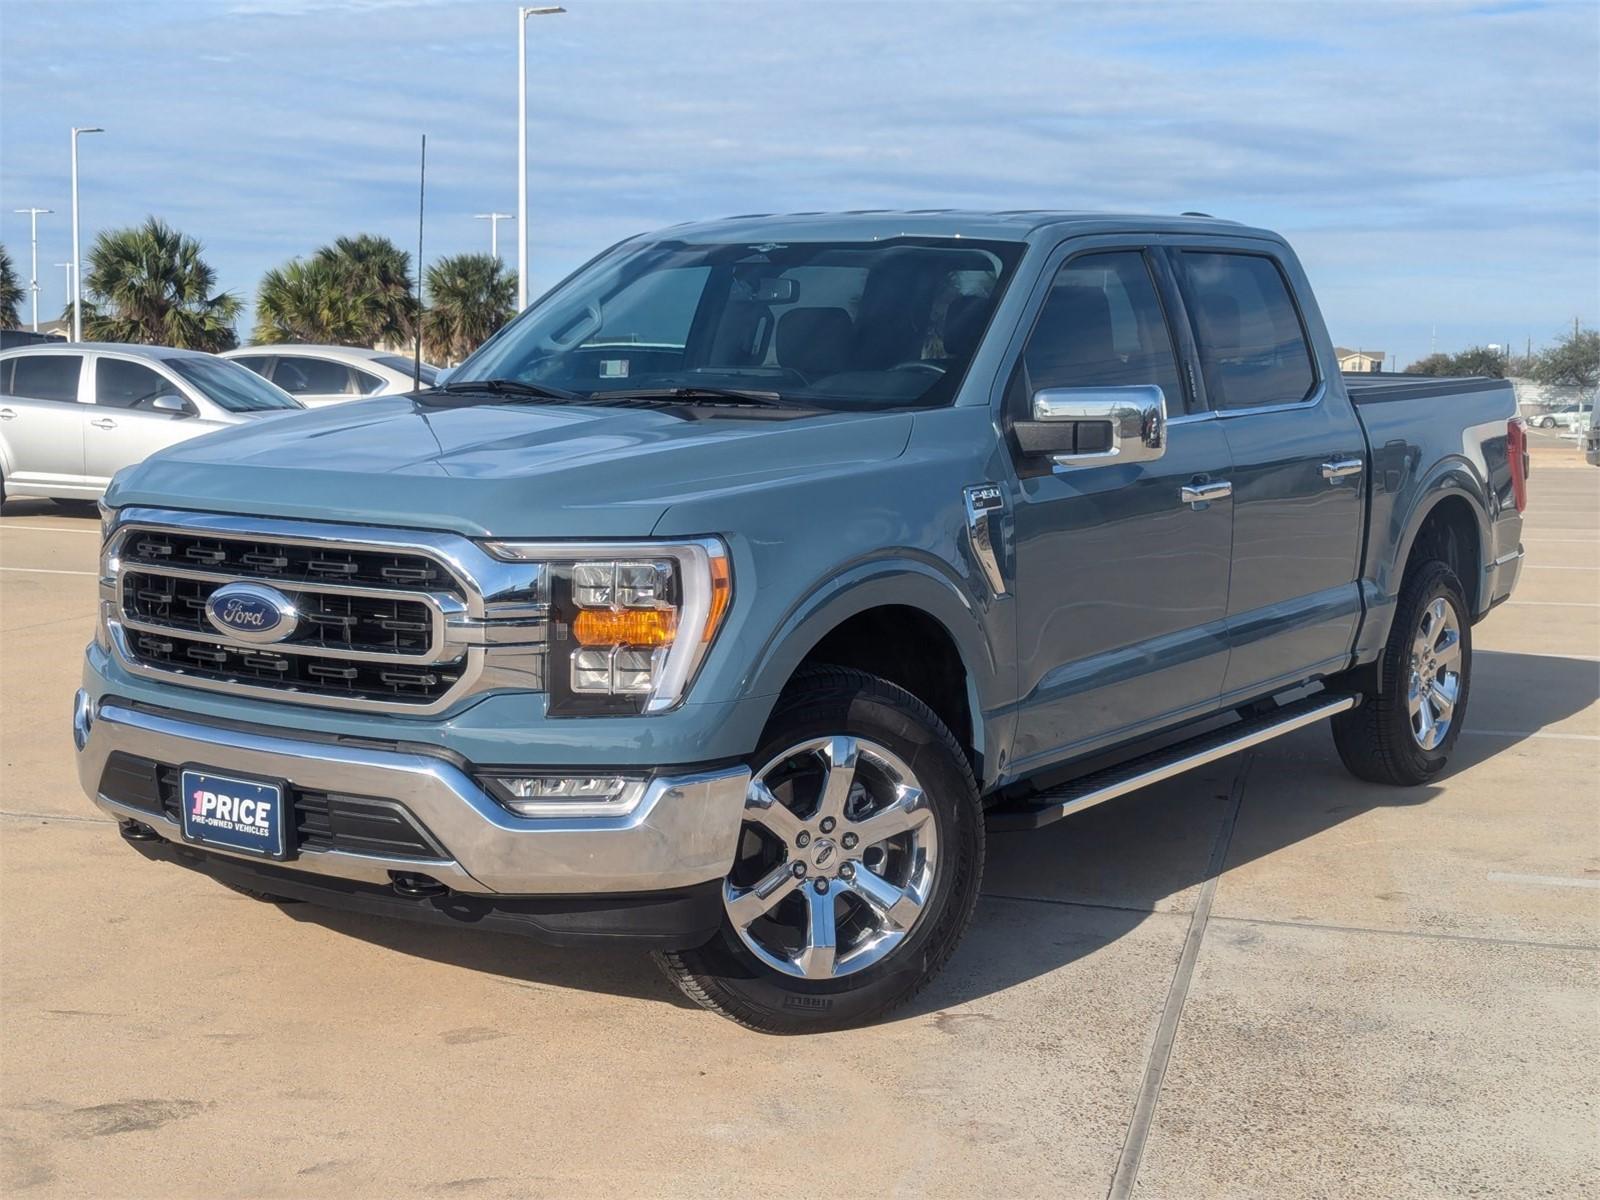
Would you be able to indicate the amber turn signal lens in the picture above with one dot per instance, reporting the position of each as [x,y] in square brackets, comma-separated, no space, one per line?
[630,627]
[721,593]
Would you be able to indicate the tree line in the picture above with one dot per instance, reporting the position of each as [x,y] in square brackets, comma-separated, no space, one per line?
[150,285]
[1572,359]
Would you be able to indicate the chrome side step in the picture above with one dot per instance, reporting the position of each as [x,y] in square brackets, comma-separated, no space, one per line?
[1089,790]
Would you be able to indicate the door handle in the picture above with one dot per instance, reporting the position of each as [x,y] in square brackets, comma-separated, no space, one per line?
[1339,468]
[8,414]
[1197,494]
[104,423]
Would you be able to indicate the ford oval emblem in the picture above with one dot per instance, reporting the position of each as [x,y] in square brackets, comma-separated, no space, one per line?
[251,612]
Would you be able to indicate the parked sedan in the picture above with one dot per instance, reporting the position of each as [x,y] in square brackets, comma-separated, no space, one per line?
[318,375]
[72,415]
[1573,416]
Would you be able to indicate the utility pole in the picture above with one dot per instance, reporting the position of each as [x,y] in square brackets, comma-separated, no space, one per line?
[77,259]
[494,219]
[33,279]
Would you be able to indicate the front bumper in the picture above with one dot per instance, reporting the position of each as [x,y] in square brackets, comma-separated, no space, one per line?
[682,832]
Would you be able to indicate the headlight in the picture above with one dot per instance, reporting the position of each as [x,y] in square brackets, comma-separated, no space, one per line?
[629,623]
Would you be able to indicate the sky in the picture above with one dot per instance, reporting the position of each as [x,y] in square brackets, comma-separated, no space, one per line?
[1436,164]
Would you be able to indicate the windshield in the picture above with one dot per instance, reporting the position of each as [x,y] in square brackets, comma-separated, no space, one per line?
[430,374]
[232,387]
[858,325]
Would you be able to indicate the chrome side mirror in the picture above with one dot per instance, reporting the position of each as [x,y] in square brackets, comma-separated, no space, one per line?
[172,404]
[1092,427]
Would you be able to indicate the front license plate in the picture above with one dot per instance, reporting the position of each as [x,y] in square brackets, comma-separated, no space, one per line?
[233,814]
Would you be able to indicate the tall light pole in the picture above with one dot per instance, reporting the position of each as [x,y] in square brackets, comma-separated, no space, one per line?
[494,219]
[33,281]
[77,258]
[522,145]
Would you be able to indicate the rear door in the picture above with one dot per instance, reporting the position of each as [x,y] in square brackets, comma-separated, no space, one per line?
[42,421]
[1122,579]
[1299,464]
[124,427]
[314,380]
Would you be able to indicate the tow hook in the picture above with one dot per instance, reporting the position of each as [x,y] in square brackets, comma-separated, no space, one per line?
[136,831]
[416,886]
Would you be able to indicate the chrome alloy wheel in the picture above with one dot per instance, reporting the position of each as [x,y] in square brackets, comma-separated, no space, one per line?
[1434,686]
[836,859]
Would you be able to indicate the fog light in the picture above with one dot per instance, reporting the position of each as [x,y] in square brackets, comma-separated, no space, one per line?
[567,795]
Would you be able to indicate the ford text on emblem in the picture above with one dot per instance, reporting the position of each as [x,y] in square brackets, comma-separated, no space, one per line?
[252,612]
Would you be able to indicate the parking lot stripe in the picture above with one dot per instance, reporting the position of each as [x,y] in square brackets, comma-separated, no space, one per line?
[1554,603]
[1536,733]
[1543,880]
[1126,1177]
[8,527]
[1548,567]
[45,571]
[1423,934]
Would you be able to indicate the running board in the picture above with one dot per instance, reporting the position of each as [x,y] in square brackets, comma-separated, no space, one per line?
[1089,790]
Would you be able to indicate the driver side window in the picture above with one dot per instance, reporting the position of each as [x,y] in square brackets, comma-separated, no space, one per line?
[1102,326]
[122,384]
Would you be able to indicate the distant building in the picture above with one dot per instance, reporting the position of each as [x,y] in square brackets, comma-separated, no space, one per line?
[1363,361]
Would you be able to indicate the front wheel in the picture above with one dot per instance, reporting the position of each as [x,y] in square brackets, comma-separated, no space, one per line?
[1404,734]
[858,862]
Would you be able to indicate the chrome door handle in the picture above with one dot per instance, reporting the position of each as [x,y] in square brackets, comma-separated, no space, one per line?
[1197,494]
[1341,467]
[8,414]
[104,423]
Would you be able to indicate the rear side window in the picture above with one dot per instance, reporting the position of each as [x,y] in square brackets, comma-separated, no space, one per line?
[312,377]
[119,384]
[1103,326]
[1252,344]
[253,362]
[365,384]
[46,377]
[406,367]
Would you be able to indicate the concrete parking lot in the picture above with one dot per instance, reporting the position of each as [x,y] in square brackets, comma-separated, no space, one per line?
[1267,979]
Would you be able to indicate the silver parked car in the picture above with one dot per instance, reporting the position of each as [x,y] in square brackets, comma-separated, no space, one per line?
[318,375]
[72,415]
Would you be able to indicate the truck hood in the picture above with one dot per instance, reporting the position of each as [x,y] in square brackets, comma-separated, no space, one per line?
[501,470]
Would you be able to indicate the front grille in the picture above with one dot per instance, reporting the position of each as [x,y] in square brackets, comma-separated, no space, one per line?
[287,562]
[322,820]
[370,623]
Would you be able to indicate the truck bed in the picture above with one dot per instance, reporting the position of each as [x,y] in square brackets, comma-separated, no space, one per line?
[1376,387]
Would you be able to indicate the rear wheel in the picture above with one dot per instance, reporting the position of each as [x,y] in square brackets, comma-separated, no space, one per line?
[858,863]
[1405,734]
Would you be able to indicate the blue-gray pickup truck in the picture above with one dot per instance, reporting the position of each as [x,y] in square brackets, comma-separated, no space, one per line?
[725,598]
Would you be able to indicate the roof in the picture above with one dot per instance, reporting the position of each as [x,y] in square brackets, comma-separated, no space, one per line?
[348,353]
[1346,352]
[129,348]
[1001,225]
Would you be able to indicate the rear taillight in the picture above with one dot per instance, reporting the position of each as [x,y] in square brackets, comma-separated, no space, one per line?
[1517,452]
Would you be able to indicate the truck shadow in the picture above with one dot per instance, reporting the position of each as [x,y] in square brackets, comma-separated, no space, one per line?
[1064,893]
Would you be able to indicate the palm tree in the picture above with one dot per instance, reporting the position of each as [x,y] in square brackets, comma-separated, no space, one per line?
[10,293]
[472,296]
[149,285]
[376,268]
[312,301]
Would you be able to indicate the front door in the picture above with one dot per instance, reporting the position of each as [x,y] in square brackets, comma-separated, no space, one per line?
[1122,580]
[1299,472]
[123,428]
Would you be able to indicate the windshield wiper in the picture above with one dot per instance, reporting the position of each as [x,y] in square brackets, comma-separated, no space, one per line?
[506,387]
[698,393]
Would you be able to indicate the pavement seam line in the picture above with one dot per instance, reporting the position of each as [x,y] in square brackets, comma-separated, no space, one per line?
[34,816]
[1126,1177]
[1422,935]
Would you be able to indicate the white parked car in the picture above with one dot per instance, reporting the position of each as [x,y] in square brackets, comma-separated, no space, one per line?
[1573,416]
[73,414]
[318,375]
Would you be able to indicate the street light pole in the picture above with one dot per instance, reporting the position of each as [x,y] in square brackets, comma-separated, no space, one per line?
[494,219]
[523,14]
[77,258]
[33,281]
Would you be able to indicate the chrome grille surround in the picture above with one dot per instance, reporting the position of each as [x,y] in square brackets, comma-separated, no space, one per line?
[431,620]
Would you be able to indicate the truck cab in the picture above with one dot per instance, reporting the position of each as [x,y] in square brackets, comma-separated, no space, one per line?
[725,598]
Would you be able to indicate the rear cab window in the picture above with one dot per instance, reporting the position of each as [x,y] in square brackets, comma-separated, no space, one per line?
[44,377]
[1253,344]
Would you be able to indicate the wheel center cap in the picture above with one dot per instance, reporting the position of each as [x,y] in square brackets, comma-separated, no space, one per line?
[824,853]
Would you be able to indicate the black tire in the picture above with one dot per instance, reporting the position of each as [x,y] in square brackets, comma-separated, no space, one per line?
[1376,741]
[264,897]
[727,978]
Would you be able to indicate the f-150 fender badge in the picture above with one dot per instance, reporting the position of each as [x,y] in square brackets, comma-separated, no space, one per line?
[985,502]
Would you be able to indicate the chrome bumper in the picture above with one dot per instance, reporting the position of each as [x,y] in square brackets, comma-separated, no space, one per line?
[682,832]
